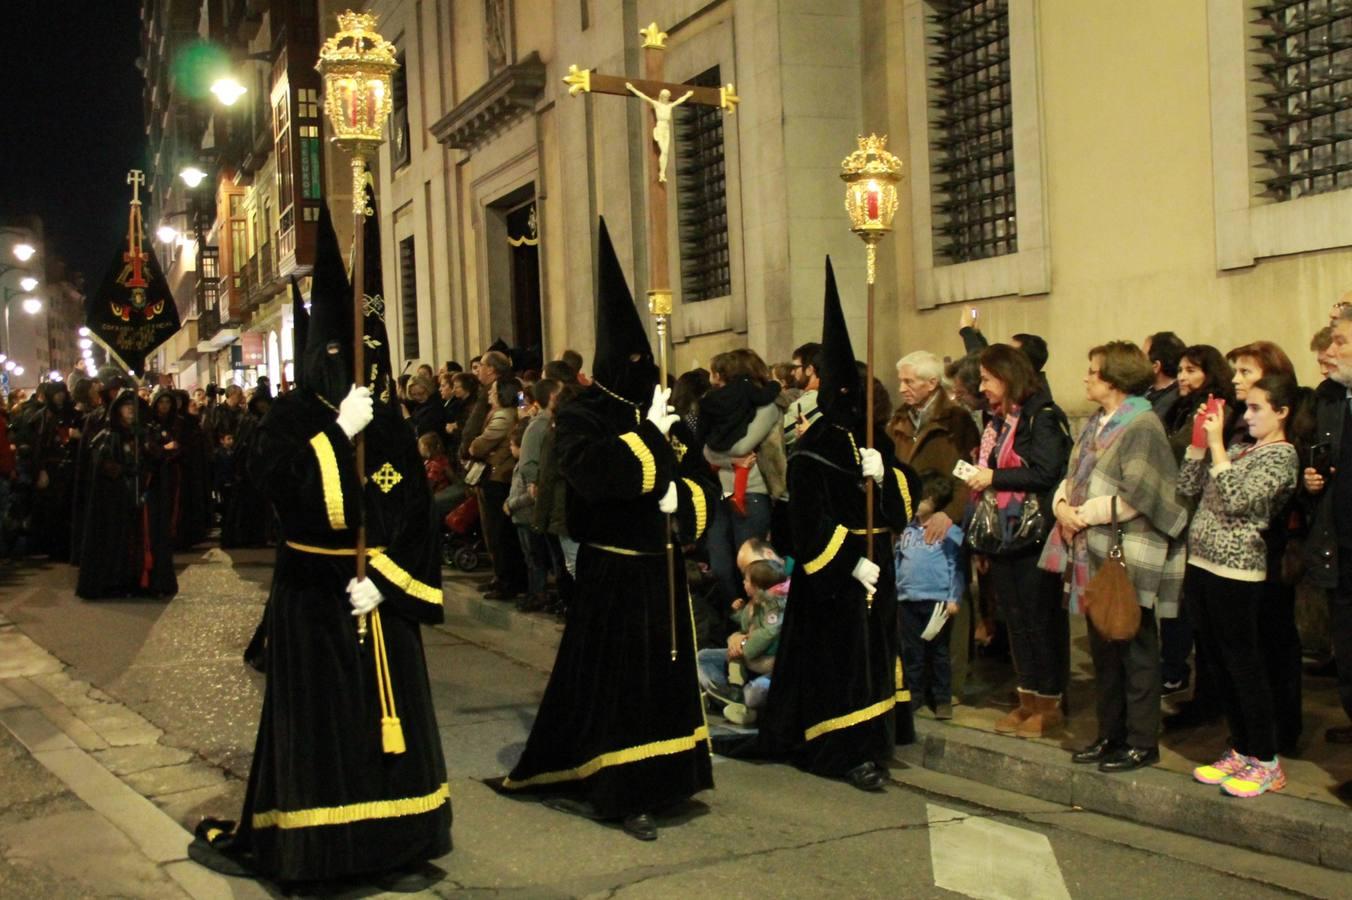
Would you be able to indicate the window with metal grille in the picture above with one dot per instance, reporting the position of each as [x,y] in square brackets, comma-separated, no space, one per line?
[1304,78]
[702,200]
[971,131]
[408,297]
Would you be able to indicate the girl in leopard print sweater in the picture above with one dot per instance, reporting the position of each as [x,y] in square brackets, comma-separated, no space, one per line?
[1240,491]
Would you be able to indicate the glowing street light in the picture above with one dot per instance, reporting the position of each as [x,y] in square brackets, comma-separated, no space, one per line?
[9,365]
[228,90]
[167,234]
[18,371]
[53,375]
[32,305]
[83,331]
[86,343]
[24,252]
[192,176]
[28,283]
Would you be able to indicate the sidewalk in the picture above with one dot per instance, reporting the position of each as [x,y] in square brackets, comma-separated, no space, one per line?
[78,768]
[1304,822]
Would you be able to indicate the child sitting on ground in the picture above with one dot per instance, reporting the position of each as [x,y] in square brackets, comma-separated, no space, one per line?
[754,645]
[930,581]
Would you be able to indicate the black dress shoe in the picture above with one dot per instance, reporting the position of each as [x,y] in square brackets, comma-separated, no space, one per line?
[1096,752]
[866,776]
[503,594]
[1327,668]
[1130,759]
[640,826]
[1341,734]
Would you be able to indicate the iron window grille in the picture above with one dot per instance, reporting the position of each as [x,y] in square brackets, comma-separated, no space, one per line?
[1304,91]
[408,297]
[701,189]
[972,131]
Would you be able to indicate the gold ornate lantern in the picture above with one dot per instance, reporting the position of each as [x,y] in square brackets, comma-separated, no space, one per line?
[871,175]
[357,64]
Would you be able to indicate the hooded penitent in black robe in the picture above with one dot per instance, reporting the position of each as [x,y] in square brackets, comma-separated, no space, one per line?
[126,547]
[338,788]
[248,515]
[836,697]
[55,454]
[621,726]
[112,383]
[195,499]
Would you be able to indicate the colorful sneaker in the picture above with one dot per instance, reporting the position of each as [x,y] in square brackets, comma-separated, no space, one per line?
[1255,779]
[1227,766]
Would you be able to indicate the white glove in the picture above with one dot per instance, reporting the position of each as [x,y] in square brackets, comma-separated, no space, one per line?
[356,411]
[365,596]
[668,502]
[871,461]
[866,573]
[659,413]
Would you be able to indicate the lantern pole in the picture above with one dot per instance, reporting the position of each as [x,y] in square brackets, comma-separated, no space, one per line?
[356,64]
[871,175]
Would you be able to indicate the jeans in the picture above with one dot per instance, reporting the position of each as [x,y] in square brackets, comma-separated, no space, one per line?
[536,553]
[1127,685]
[727,532]
[713,678]
[1039,630]
[1229,617]
[925,666]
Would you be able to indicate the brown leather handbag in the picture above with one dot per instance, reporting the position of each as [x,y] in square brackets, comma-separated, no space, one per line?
[1110,599]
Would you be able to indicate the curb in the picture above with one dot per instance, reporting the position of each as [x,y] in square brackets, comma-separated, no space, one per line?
[1304,830]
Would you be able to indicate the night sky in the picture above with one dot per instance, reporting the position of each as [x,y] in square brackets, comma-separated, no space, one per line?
[74,122]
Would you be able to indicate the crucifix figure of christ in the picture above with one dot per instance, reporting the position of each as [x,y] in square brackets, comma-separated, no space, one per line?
[662,108]
[585,81]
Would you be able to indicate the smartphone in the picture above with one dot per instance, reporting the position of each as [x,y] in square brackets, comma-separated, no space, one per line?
[963,470]
[521,399]
[1213,406]
[1320,456]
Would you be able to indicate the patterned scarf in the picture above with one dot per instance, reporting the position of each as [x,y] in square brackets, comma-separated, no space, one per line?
[1082,464]
[1003,437]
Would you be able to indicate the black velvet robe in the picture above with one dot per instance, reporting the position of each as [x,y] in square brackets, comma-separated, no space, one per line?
[94,421]
[621,725]
[57,449]
[325,799]
[836,699]
[126,545]
[195,487]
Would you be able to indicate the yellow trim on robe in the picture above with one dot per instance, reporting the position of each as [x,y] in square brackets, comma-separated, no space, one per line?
[905,492]
[332,551]
[668,747]
[903,692]
[353,812]
[333,482]
[832,548]
[851,719]
[701,508]
[645,459]
[404,581]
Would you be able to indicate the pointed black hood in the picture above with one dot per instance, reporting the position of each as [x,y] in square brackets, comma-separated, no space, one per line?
[327,360]
[841,395]
[300,332]
[624,358]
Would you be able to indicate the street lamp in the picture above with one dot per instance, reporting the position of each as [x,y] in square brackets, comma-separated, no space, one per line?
[228,90]
[24,252]
[192,176]
[167,234]
[18,371]
[32,305]
[28,283]
[9,365]
[83,331]
[86,344]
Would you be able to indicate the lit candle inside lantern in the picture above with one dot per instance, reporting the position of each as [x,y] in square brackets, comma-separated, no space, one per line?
[874,200]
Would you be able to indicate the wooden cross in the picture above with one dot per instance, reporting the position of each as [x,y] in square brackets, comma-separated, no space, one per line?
[650,90]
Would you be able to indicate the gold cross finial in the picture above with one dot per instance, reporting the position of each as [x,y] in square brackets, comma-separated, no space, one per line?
[654,38]
[728,99]
[386,477]
[578,81]
[136,178]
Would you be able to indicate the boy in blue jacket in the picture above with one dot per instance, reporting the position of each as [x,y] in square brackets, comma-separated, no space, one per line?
[929,589]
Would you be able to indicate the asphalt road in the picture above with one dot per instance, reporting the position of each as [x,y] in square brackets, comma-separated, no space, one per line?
[766,830]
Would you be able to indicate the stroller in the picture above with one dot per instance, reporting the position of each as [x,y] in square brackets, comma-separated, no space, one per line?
[462,540]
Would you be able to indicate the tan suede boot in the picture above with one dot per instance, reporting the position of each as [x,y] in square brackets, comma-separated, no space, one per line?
[1045,718]
[1010,723]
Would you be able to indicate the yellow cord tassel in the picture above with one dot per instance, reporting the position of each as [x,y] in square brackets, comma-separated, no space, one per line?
[391,730]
